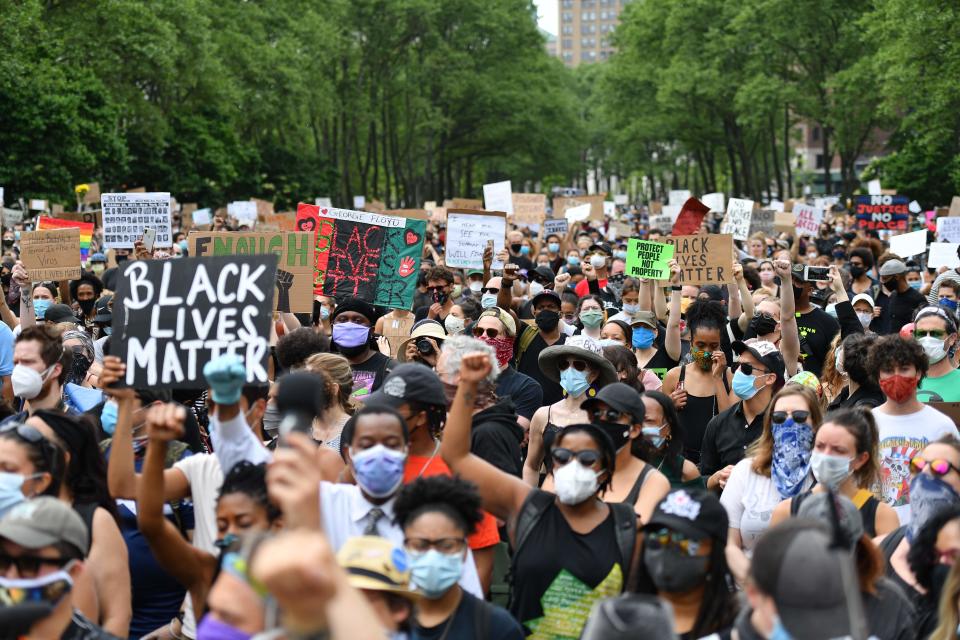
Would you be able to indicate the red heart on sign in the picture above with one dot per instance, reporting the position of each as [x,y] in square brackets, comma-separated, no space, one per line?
[412,238]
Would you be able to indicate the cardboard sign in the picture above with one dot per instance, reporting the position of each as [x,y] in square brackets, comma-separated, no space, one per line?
[621,199]
[909,244]
[12,217]
[808,219]
[243,211]
[264,208]
[552,226]
[763,221]
[498,196]
[713,200]
[286,221]
[465,203]
[53,254]
[294,268]
[883,212]
[647,259]
[578,213]
[690,217]
[367,255]
[86,231]
[177,315]
[359,202]
[656,207]
[954,207]
[737,220]
[528,208]
[468,233]
[38,205]
[126,215]
[948,229]
[416,214]
[784,222]
[943,254]
[704,259]
[560,205]
[678,197]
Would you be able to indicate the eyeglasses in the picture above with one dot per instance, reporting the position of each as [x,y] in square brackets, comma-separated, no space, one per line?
[938,467]
[587,457]
[665,538]
[939,334]
[579,365]
[491,333]
[748,368]
[28,566]
[489,290]
[436,289]
[605,415]
[779,417]
[24,431]
[446,546]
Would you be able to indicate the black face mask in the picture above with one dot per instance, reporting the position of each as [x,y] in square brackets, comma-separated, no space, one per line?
[351,352]
[440,297]
[80,366]
[619,433]
[856,271]
[121,258]
[8,242]
[515,248]
[674,572]
[547,320]
[763,325]
[797,292]
[87,305]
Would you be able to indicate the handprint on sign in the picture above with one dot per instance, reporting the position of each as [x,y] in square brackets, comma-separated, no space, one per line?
[354,257]
[406,267]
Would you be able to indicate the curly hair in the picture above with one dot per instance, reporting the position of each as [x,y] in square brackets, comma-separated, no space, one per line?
[762,450]
[625,362]
[250,480]
[922,556]
[856,356]
[295,347]
[706,314]
[455,498]
[439,273]
[890,352]
[860,423]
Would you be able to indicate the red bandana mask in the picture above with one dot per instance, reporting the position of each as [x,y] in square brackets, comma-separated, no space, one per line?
[899,388]
[503,345]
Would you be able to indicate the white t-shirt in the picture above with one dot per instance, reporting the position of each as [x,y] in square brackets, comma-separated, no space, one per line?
[902,438]
[750,499]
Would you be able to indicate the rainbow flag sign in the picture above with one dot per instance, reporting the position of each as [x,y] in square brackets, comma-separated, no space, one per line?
[86,231]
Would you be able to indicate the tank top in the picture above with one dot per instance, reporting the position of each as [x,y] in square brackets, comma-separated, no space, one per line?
[694,418]
[865,502]
[559,574]
[670,471]
[549,435]
[634,494]
[396,330]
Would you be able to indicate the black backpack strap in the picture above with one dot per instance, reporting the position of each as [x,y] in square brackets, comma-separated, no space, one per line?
[530,513]
[625,527]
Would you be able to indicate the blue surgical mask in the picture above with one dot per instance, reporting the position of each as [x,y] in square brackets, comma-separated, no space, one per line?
[743,385]
[108,330]
[573,261]
[434,573]
[553,247]
[574,382]
[631,309]
[324,313]
[378,470]
[108,417]
[350,334]
[779,631]
[40,306]
[524,250]
[488,300]
[916,284]
[652,435]
[643,337]
[183,245]
[620,254]
[11,491]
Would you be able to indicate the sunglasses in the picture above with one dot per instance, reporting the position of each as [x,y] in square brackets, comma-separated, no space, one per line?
[587,457]
[28,566]
[579,365]
[747,368]
[779,417]
[665,538]
[489,290]
[605,415]
[490,333]
[939,334]
[938,467]
[436,289]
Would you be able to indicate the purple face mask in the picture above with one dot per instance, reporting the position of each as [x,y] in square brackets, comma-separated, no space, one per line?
[350,334]
[210,629]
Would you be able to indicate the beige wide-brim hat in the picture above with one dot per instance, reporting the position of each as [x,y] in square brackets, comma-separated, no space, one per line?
[426,329]
[582,348]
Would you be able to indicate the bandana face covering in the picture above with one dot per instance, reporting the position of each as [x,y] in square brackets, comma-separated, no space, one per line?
[792,442]
[928,495]
[503,345]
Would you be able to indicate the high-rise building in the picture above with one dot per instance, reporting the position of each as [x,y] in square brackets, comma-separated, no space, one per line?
[585,29]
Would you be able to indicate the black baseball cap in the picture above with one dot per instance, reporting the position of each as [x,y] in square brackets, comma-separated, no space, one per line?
[544,272]
[602,247]
[694,513]
[56,313]
[764,351]
[410,382]
[546,293]
[621,397]
[103,309]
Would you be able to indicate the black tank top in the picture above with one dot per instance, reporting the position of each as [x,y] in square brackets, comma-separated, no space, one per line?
[559,574]
[694,418]
[634,494]
[549,436]
[868,512]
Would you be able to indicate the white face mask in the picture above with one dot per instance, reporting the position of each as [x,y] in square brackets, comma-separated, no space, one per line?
[934,348]
[475,286]
[865,318]
[574,482]
[598,261]
[830,471]
[453,325]
[535,288]
[838,361]
[28,383]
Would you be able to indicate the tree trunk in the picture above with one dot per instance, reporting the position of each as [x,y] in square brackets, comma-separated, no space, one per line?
[827,160]
[787,153]
[773,157]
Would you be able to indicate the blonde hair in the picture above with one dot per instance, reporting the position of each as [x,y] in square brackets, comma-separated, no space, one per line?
[762,450]
[947,628]
[335,371]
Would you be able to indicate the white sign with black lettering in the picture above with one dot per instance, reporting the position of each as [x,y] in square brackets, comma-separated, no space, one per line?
[126,215]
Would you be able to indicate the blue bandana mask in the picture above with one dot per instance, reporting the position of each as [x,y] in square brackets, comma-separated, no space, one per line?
[574,382]
[947,303]
[643,337]
[928,495]
[792,447]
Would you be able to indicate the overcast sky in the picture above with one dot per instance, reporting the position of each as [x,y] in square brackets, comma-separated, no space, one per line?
[547,11]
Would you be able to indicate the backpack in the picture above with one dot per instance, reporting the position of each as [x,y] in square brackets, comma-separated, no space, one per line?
[526,339]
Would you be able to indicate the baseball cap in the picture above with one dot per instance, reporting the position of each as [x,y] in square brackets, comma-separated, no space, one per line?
[602,247]
[410,382]
[648,318]
[474,272]
[505,318]
[695,513]
[793,564]
[546,293]
[863,297]
[376,564]
[893,267]
[45,521]
[59,313]
[98,257]
[545,272]
[621,397]
[817,506]
[102,307]
[764,351]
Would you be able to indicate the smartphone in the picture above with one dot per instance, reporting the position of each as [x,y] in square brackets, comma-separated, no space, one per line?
[816,274]
[149,235]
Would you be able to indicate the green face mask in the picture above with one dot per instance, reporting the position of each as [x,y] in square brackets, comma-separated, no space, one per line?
[704,359]
[591,319]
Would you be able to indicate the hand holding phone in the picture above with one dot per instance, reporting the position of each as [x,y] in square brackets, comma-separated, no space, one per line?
[149,236]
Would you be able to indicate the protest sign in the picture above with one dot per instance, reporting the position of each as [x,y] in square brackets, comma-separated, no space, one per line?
[528,208]
[784,222]
[874,188]
[948,229]
[909,244]
[295,251]
[243,211]
[56,209]
[704,259]
[92,196]
[86,231]
[578,213]
[53,254]
[621,199]
[763,221]
[126,215]
[808,219]
[882,212]
[914,207]
[560,205]
[93,217]
[662,223]
[498,196]
[12,217]
[776,205]
[323,202]
[678,196]
[690,217]
[943,254]
[368,255]
[202,216]
[264,208]
[618,231]
[713,200]
[954,207]
[737,220]
[609,209]
[416,214]
[375,206]
[656,207]
[468,233]
[38,205]
[647,259]
[177,315]
[286,221]
[465,203]
[552,226]
[1,196]
[359,202]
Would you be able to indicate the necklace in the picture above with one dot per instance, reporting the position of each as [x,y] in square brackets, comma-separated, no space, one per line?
[436,448]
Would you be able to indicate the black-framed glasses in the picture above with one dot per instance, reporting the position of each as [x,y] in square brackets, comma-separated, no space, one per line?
[586,457]
[779,417]
[438,289]
[748,368]
[446,546]
[764,314]
[484,290]
[605,415]
[579,365]
[490,333]
[29,566]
